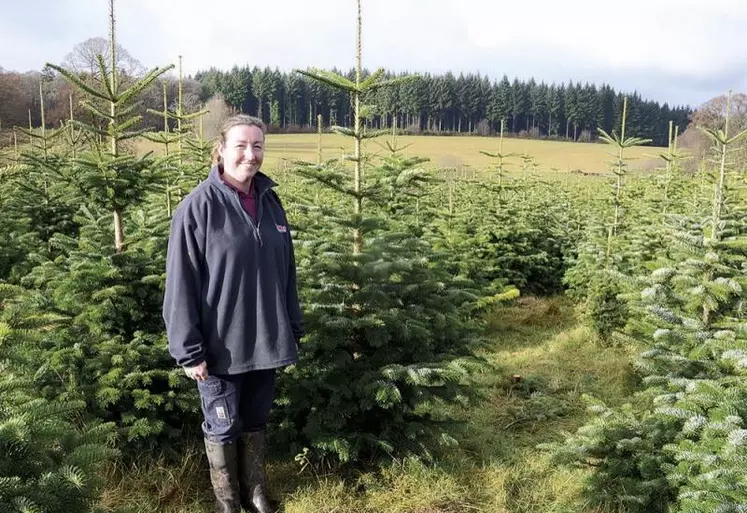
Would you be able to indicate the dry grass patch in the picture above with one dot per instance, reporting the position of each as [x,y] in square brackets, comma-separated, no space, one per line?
[157,485]
[415,487]
[325,496]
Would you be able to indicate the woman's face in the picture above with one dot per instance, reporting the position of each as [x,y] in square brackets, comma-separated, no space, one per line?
[243,152]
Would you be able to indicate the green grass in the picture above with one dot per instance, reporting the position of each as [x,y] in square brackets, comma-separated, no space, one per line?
[543,362]
[462,153]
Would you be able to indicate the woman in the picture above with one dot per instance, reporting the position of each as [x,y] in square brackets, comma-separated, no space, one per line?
[231,308]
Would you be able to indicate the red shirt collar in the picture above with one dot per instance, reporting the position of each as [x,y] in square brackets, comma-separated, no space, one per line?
[252,186]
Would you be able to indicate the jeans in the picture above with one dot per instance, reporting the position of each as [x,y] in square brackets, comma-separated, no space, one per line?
[235,404]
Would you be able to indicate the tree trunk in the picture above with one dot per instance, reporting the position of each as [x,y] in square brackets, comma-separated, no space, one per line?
[118,233]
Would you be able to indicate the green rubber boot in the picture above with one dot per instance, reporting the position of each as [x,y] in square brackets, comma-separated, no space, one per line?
[252,478]
[224,475]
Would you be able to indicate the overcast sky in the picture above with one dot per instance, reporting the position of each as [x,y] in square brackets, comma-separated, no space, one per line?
[678,51]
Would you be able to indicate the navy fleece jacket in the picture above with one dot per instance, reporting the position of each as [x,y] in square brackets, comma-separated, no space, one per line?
[231,297]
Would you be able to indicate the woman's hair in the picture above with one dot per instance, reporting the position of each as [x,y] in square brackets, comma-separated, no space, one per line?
[237,120]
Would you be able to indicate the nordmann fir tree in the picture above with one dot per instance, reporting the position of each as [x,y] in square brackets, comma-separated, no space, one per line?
[182,173]
[72,134]
[406,185]
[606,310]
[168,161]
[112,180]
[680,446]
[474,248]
[515,243]
[40,192]
[110,350]
[389,332]
[521,239]
[18,239]
[671,180]
[49,461]
[47,464]
[539,239]
[696,367]
[521,245]
[501,171]
[657,197]
[465,230]
[601,262]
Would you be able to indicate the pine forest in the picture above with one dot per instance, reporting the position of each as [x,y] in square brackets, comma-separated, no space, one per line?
[508,339]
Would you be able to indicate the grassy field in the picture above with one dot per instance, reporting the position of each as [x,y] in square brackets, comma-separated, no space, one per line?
[454,152]
[544,362]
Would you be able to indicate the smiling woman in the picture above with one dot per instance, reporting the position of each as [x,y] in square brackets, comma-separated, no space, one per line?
[241,152]
[231,308]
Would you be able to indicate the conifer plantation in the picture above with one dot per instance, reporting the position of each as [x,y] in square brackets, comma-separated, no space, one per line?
[510,339]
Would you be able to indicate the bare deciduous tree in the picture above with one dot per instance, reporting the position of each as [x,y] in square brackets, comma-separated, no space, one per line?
[13,110]
[83,58]
[712,115]
[218,111]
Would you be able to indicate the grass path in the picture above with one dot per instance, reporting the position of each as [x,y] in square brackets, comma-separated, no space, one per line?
[544,363]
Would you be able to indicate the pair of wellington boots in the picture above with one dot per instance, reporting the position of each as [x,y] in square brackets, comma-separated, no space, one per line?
[238,476]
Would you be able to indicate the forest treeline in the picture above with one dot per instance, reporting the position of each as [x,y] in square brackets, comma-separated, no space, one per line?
[430,104]
[468,103]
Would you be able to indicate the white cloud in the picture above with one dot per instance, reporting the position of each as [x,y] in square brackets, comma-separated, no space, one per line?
[681,50]
[672,36]
[234,32]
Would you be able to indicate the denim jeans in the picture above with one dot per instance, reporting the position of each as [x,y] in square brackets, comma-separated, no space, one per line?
[235,404]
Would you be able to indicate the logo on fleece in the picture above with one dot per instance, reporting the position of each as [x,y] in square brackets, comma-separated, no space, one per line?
[281,228]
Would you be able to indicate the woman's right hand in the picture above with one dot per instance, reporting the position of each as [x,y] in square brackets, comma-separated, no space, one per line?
[199,372]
